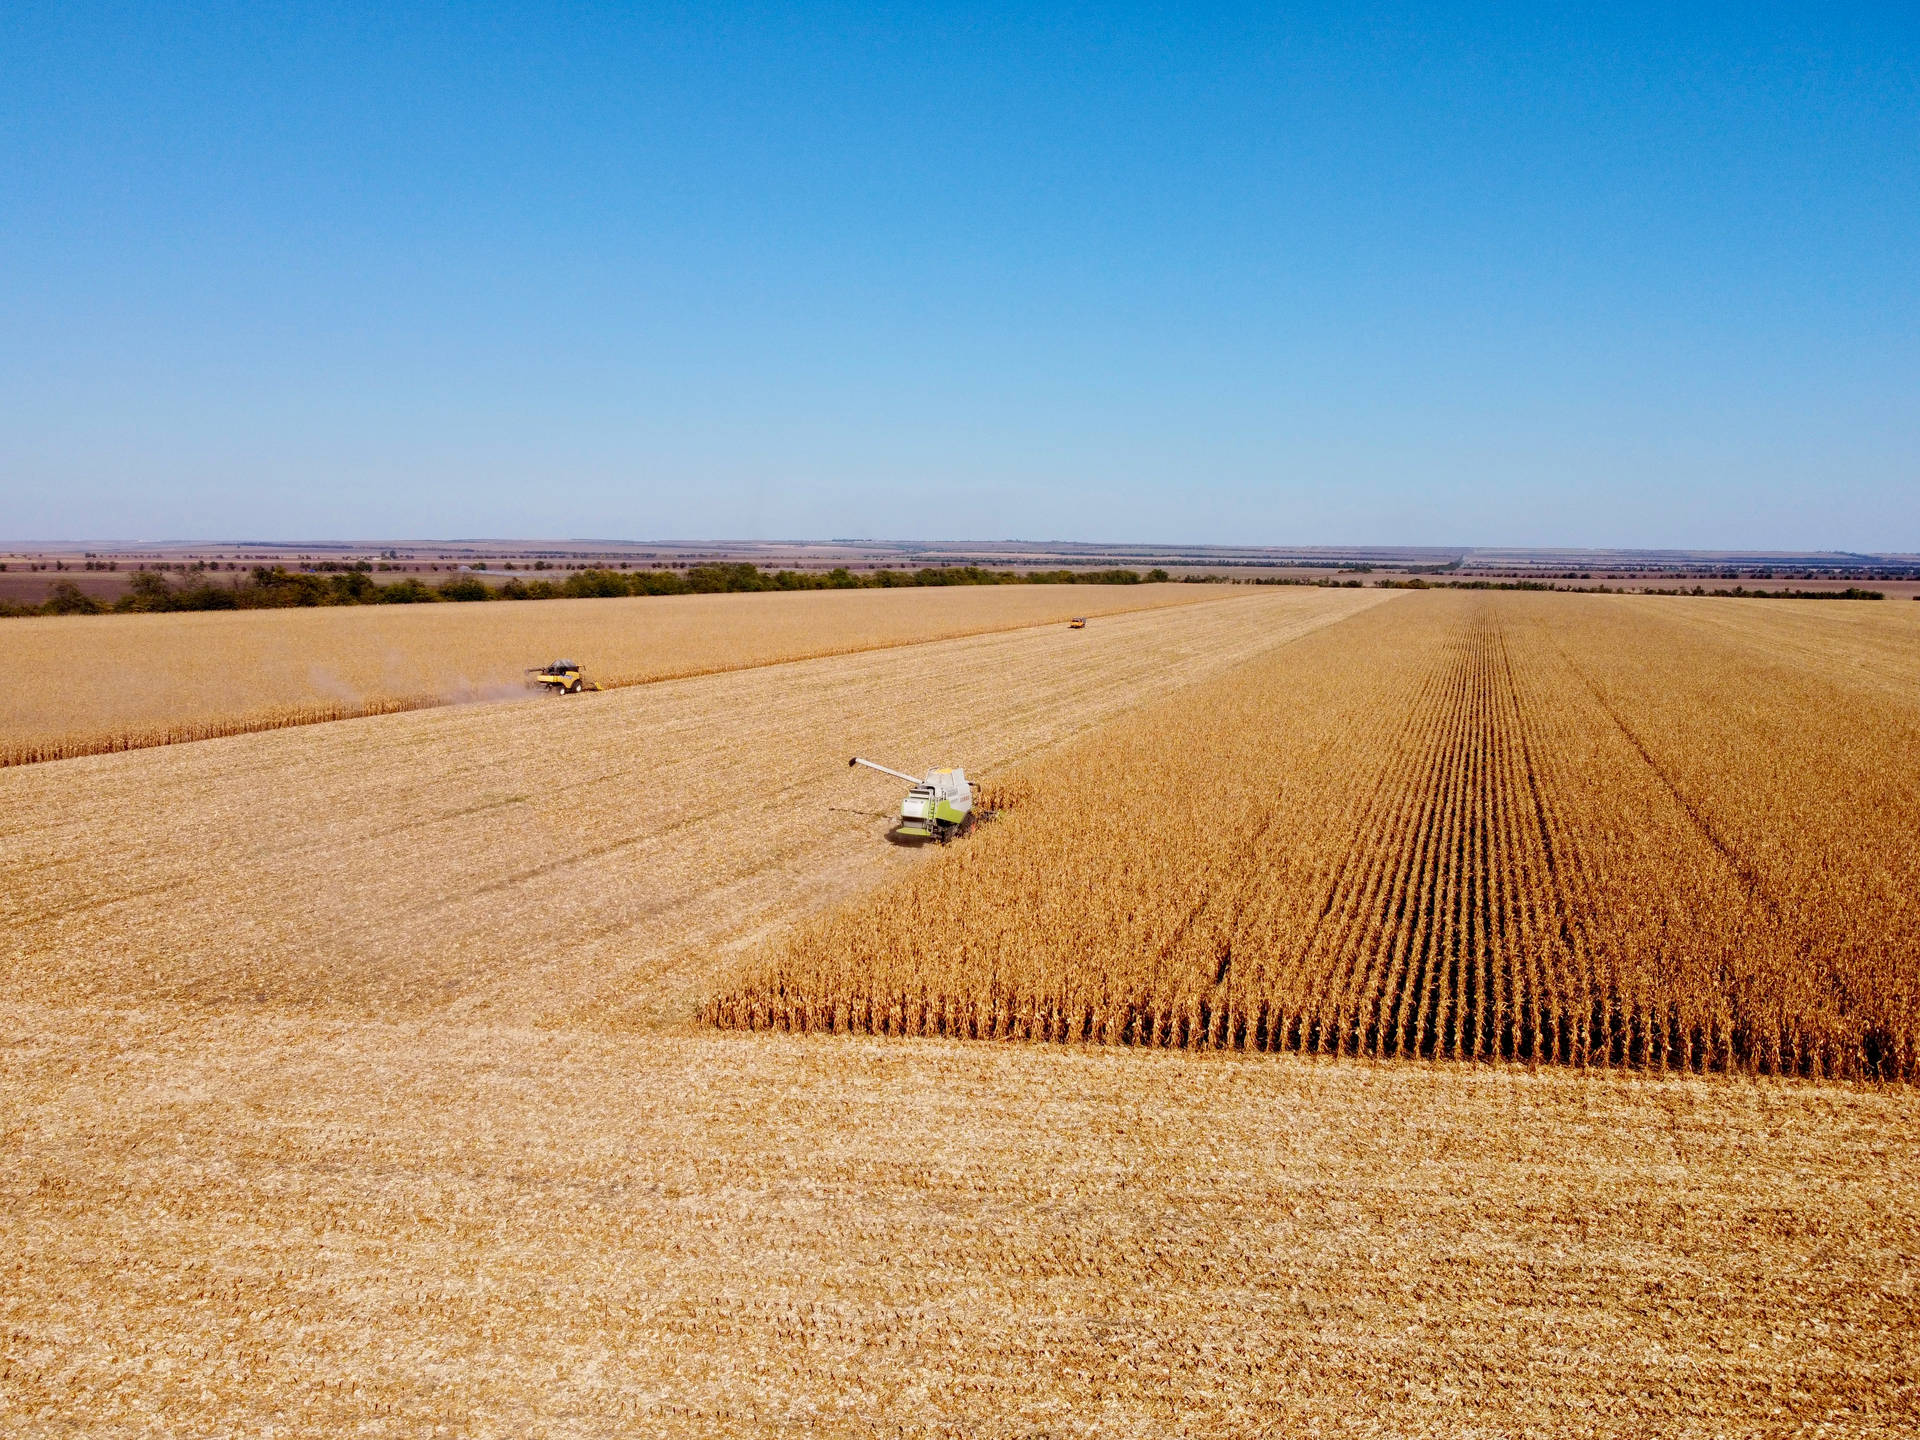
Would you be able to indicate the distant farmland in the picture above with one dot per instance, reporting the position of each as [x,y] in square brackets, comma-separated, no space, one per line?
[1550,829]
[95,684]
[1405,959]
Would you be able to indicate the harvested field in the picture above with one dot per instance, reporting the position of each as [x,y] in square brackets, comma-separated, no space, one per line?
[96,684]
[226,1225]
[1596,831]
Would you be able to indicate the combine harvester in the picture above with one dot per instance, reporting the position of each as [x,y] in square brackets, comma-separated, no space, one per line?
[936,808]
[562,677]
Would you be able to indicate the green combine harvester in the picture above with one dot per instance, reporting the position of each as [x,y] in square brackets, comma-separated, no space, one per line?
[937,808]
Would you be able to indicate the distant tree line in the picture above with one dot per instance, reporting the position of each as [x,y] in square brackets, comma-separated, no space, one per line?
[276,588]
[1738,592]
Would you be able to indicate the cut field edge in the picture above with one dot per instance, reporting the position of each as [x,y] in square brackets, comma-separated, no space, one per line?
[115,742]
[28,1024]
[1620,1043]
[879,1042]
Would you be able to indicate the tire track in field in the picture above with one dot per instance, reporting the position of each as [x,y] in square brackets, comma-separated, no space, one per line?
[1750,877]
[1754,885]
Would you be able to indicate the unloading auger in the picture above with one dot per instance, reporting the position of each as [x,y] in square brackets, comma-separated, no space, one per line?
[938,807]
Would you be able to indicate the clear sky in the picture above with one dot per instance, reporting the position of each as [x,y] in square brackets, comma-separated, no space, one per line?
[1616,275]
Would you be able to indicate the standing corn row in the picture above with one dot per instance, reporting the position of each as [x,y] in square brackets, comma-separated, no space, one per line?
[1432,831]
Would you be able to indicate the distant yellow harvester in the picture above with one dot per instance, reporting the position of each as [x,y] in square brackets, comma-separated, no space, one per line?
[562,677]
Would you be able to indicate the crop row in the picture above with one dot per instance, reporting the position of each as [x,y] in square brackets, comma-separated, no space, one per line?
[1430,832]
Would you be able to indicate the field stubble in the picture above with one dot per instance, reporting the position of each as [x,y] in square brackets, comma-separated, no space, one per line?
[229,1224]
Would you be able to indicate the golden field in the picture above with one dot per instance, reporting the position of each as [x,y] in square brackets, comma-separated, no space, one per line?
[517,858]
[247,1224]
[1550,828]
[349,1084]
[90,685]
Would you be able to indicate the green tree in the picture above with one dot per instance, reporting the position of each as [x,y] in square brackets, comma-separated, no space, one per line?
[67,598]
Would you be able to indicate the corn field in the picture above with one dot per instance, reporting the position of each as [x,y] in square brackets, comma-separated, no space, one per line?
[1591,831]
[346,1086]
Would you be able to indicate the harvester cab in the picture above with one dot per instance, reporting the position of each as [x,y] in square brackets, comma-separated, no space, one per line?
[938,807]
[562,677]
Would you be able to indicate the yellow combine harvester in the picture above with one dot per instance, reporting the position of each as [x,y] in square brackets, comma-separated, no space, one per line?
[1078,622]
[562,677]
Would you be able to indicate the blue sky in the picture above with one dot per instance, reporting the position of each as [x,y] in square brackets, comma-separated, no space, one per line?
[1516,275]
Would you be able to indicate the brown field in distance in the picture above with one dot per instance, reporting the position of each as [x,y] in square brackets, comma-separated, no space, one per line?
[94,684]
[348,1082]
